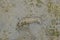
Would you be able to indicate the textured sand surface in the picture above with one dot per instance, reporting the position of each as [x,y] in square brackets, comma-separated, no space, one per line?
[47,12]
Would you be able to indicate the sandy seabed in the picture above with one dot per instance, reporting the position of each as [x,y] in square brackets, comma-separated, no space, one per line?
[12,11]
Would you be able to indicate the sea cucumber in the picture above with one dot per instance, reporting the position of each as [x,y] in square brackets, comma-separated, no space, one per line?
[27,21]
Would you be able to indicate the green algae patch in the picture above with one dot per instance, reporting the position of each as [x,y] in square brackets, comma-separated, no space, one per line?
[49,6]
[39,1]
[53,9]
[53,32]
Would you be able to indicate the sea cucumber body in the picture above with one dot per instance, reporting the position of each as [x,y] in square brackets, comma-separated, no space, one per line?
[30,20]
